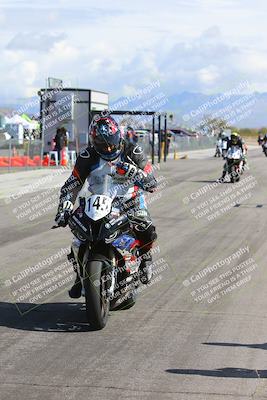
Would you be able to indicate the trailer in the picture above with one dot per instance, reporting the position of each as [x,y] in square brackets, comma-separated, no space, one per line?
[69,108]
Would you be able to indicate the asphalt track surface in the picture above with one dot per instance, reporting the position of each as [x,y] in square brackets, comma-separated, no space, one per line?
[192,335]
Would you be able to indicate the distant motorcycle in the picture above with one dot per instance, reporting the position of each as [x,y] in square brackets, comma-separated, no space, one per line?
[218,150]
[264,148]
[224,149]
[260,140]
[234,163]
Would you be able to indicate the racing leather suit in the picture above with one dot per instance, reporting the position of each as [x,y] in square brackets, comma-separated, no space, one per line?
[240,144]
[91,169]
[263,142]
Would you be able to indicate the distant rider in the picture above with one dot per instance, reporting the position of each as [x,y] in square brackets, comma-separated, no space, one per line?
[237,141]
[131,135]
[224,144]
[218,150]
[245,153]
[264,141]
[260,139]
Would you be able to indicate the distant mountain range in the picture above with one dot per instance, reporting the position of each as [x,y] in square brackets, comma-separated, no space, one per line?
[189,109]
[244,110]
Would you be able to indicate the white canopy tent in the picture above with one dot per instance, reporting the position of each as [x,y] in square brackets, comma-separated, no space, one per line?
[17,119]
[5,136]
[16,125]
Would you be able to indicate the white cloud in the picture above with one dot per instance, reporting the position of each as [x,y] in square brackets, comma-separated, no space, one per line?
[64,51]
[196,45]
[209,75]
[254,61]
[2,17]
[128,90]
[35,41]
[29,71]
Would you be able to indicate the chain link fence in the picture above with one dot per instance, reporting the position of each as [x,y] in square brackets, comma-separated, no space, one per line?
[14,154]
[177,143]
[186,143]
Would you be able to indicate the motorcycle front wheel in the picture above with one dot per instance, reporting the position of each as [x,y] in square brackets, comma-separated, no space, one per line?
[235,177]
[96,300]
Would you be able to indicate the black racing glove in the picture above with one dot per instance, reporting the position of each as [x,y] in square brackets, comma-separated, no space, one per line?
[63,214]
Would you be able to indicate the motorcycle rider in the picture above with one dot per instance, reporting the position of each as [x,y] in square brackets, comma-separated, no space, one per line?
[218,150]
[245,154]
[264,141]
[131,136]
[224,144]
[260,139]
[237,141]
[108,151]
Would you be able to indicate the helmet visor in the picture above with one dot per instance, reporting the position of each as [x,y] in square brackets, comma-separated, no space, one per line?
[234,139]
[107,145]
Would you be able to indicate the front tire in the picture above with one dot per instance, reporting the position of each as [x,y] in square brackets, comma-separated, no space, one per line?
[235,177]
[96,301]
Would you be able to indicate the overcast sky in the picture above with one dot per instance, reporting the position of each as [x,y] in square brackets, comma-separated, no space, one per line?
[121,45]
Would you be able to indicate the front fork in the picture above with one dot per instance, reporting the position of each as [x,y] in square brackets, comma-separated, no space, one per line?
[76,256]
[109,279]
[80,258]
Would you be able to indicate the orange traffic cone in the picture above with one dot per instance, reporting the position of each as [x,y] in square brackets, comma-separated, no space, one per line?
[4,162]
[45,161]
[16,162]
[37,160]
[64,158]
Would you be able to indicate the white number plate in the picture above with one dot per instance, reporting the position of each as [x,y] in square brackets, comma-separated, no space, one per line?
[98,206]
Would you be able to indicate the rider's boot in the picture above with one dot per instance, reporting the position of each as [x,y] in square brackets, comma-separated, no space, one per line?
[223,176]
[76,290]
[146,269]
